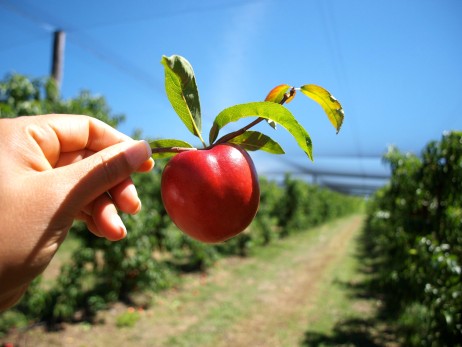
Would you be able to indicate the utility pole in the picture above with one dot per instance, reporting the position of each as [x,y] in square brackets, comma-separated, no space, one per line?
[57,63]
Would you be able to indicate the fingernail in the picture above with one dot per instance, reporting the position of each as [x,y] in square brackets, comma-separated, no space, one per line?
[138,154]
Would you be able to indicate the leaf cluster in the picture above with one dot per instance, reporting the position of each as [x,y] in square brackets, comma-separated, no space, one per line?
[182,92]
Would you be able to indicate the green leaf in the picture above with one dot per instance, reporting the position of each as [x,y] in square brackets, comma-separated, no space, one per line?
[266,110]
[254,140]
[164,144]
[330,105]
[181,88]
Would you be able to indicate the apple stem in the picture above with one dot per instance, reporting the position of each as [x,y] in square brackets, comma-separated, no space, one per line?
[236,133]
[172,149]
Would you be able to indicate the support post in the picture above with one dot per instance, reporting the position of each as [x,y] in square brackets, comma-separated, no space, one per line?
[57,63]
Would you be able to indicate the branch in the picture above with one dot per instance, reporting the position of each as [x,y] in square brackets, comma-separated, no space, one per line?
[236,133]
[172,149]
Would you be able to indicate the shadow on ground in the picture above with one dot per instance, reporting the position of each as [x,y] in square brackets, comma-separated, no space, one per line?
[353,332]
[375,330]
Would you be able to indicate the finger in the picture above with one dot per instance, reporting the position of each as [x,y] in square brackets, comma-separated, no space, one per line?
[68,158]
[73,157]
[55,134]
[125,197]
[91,177]
[81,132]
[107,221]
[89,222]
[96,134]
[147,166]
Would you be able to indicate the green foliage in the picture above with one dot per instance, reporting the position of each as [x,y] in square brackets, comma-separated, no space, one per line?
[414,227]
[20,96]
[303,206]
[12,319]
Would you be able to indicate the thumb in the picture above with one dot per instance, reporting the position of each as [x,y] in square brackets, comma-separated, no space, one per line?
[87,179]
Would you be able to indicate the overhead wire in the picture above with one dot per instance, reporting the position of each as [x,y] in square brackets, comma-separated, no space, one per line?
[46,27]
[27,14]
[49,23]
[75,35]
[331,33]
[174,13]
[330,29]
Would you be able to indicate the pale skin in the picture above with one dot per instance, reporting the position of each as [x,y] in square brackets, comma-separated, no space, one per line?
[55,169]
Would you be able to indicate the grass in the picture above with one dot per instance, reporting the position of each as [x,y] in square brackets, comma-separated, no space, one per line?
[128,319]
[346,314]
[335,302]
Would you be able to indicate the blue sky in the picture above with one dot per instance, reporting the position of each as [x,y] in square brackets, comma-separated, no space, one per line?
[396,67]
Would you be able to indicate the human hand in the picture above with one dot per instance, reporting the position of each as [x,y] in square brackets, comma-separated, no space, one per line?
[55,169]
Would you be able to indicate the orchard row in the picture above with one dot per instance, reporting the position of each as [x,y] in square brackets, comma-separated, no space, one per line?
[414,234]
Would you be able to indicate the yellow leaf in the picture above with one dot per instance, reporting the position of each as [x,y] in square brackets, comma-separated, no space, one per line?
[330,105]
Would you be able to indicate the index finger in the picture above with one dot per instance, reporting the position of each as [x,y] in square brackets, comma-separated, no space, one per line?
[61,135]
[76,132]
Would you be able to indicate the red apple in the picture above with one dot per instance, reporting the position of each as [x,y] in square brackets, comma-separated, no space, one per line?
[211,194]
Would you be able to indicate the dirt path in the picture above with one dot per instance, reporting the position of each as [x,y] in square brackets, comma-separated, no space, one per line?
[289,296]
[257,301]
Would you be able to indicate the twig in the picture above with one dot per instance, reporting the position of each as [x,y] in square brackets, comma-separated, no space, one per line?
[225,138]
[236,133]
[172,149]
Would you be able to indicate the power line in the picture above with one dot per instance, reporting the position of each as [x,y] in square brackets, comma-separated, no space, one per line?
[123,65]
[174,13]
[29,15]
[339,68]
[49,23]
